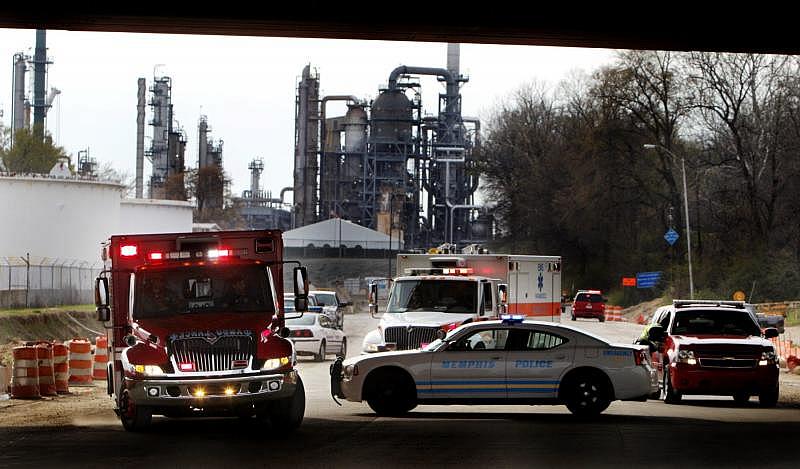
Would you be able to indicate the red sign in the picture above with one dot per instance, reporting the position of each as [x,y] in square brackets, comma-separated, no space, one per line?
[628,281]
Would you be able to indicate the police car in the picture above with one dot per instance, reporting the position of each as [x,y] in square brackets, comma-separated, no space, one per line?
[508,361]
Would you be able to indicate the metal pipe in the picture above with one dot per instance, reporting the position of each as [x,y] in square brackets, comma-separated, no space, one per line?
[453,208]
[140,138]
[39,77]
[686,212]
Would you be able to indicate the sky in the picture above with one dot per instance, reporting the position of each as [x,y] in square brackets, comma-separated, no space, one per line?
[246,87]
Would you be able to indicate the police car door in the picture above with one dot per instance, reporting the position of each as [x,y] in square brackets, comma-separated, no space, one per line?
[473,367]
[537,359]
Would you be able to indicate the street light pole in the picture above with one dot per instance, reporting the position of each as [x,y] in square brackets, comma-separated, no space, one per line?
[686,212]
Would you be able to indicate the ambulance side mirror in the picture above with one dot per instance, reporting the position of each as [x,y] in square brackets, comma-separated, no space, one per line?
[101,299]
[502,293]
[373,299]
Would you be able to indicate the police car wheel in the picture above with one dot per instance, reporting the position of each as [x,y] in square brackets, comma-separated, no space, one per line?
[390,394]
[320,356]
[587,395]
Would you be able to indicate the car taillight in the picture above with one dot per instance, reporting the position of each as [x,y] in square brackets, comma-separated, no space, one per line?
[641,357]
[302,333]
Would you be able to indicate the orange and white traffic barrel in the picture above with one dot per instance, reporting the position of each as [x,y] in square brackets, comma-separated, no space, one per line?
[61,367]
[25,373]
[100,358]
[47,383]
[80,362]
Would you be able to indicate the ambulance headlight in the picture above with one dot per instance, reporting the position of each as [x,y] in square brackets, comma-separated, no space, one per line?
[148,370]
[275,363]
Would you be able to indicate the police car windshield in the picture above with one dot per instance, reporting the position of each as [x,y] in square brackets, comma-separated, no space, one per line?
[715,322]
[200,289]
[442,296]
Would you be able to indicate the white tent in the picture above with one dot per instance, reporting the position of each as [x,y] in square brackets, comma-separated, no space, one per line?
[337,232]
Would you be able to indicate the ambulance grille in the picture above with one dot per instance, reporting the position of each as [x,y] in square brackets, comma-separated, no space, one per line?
[217,356]
[410,339]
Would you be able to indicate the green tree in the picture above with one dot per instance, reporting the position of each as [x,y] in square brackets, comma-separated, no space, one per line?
[31,154]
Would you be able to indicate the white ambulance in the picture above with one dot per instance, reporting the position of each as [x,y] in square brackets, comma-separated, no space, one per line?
[436,292]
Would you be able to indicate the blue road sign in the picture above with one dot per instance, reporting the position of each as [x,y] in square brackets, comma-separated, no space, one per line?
[671,236]
[647,279]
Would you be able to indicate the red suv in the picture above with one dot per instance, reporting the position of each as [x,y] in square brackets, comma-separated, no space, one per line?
[713,348]
[589,304]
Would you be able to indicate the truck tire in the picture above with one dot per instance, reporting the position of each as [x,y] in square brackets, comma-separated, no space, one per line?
[670,395]
[587,394]
[134,418]
[741,398]
[769,398]
[287,414]
[390,393]
[320,355]
[602,319]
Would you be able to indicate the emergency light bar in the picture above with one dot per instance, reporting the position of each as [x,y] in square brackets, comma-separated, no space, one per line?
[459,271]
[512,318]
[690,303]
[128,250]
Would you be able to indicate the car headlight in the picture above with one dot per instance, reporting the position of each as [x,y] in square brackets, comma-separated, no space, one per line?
[275,363]
[148,370]
[686,356]
[371,348]
[350,371]
[768,358]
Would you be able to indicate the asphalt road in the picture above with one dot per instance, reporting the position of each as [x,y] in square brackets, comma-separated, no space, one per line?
[710,432]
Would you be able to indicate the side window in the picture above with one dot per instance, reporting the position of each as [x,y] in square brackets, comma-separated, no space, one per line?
[664,321]
[487,339]
[540,340]
[487,298]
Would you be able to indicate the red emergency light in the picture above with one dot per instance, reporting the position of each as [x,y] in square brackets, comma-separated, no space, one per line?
[186,366]
[156,256]
[128,250]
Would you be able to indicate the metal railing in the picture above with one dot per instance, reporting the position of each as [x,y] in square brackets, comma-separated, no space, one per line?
[33,281]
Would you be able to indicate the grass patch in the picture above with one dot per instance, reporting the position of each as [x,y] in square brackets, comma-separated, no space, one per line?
[30,311]
[793,317]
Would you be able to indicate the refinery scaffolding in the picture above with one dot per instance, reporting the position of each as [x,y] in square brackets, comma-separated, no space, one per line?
[399,172]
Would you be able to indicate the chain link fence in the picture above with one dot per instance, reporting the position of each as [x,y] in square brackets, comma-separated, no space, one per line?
[32,281]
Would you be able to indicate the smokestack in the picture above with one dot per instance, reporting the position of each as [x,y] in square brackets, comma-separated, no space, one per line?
[18,98]
[140,138]
[202,155]
[256,167]
[454,59]
[39,78]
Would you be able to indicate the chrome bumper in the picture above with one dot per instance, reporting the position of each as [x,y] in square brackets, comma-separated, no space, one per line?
[211,392]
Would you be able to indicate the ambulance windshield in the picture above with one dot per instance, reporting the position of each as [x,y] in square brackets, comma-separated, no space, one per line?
[442,296]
